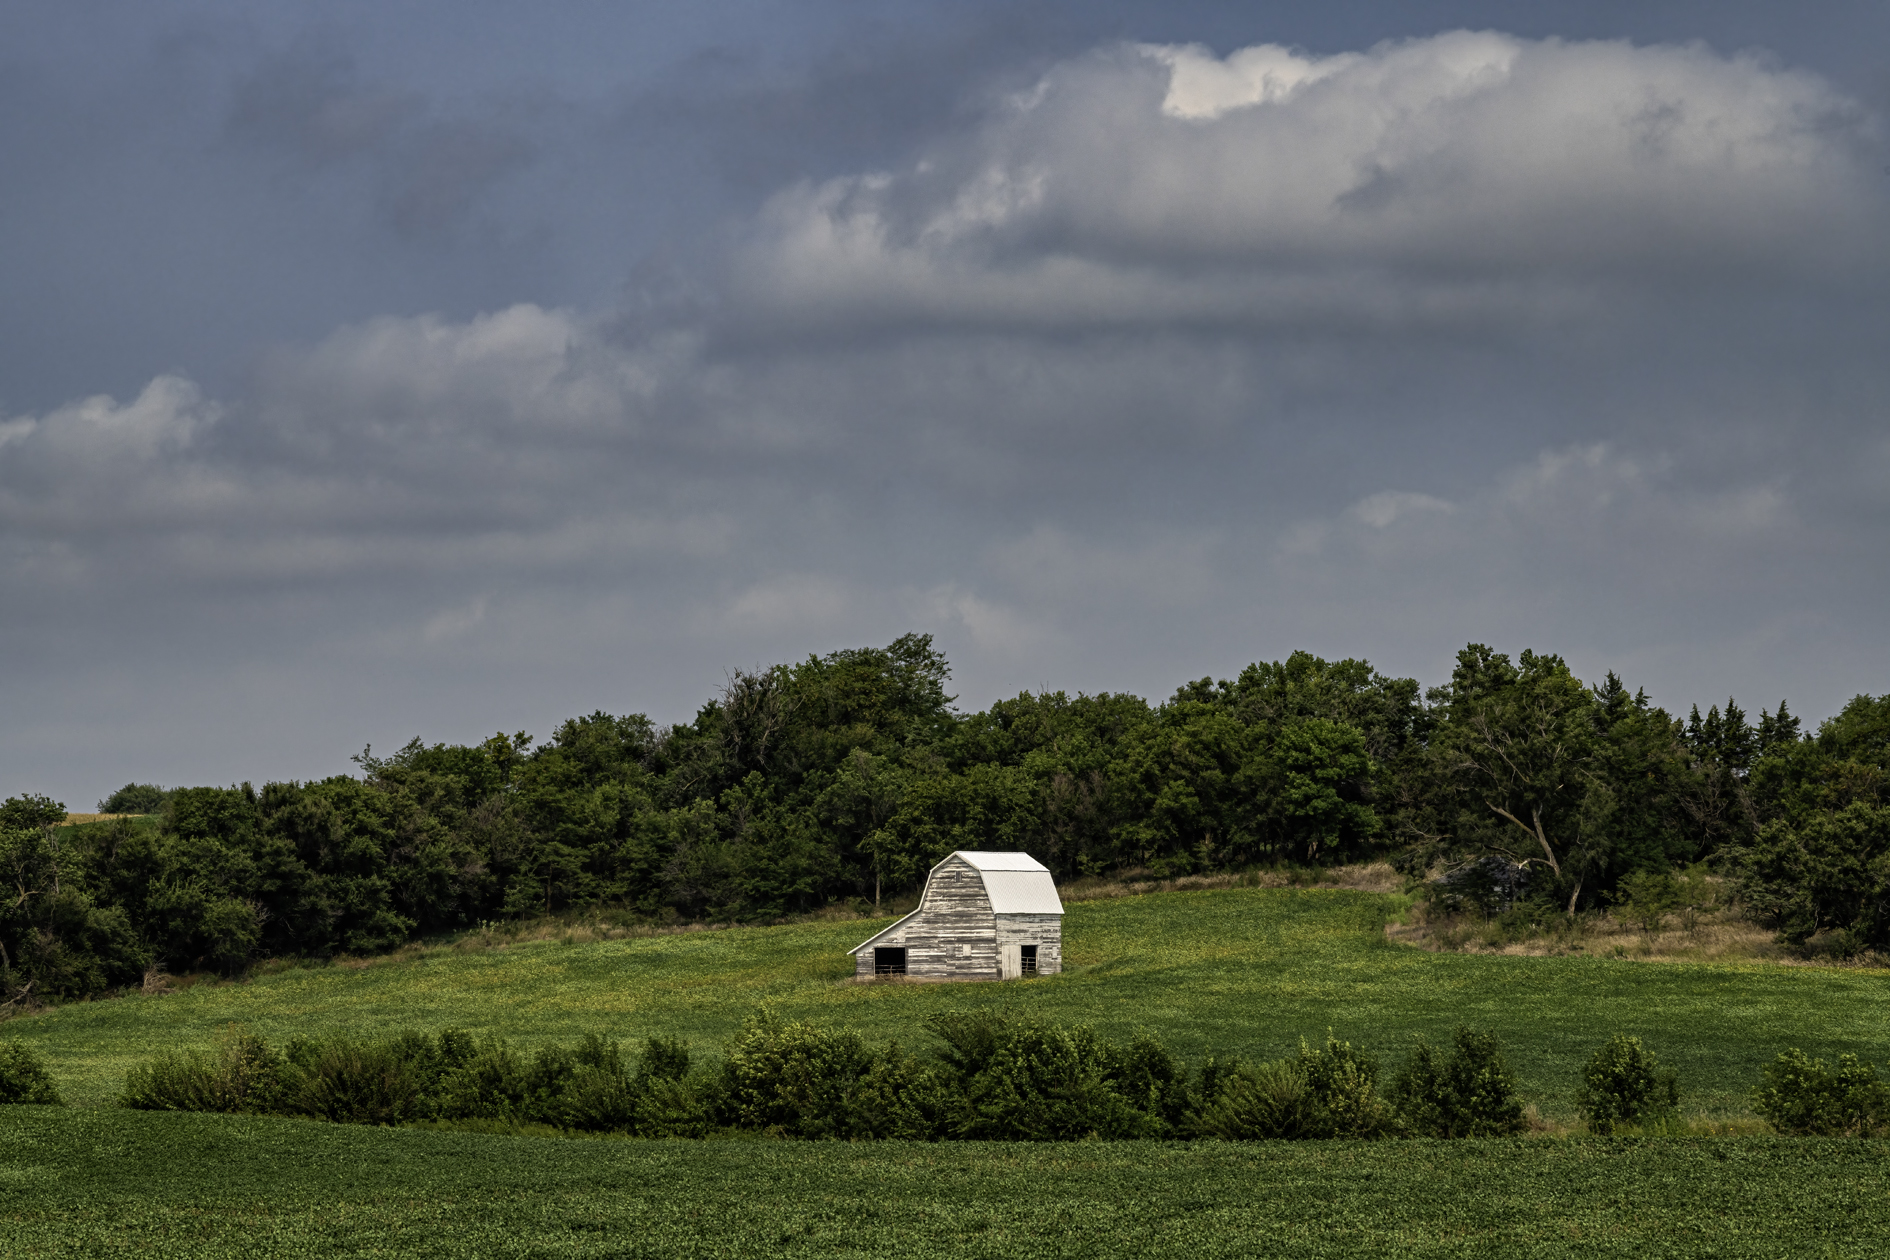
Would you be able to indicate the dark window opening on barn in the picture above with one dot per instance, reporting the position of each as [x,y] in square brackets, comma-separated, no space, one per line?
[892,962]
[1030,960]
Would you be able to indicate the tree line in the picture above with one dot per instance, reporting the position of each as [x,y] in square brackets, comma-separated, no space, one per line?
[846,776]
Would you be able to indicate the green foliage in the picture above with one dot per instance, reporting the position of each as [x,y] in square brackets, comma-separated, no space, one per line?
[1624,1084]
[1023,1080]
[134,798]
[24,1078]
[1804,1096]
[1469,1094]
[1331,1092]
[242,1074]
[793,1079]
[1829,870]
[84,1182]
[1263,1101]
[992,1078]
[1646,898]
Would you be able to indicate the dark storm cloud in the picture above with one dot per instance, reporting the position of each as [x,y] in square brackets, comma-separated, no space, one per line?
[1112,368]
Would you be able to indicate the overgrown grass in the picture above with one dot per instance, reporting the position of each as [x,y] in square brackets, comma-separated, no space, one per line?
[1248,971]
[113,1183]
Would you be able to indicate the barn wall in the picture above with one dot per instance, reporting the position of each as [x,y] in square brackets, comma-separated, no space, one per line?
[1045,931]
[952,937]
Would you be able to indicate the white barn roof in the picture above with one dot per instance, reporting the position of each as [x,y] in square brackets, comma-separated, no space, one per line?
[1017,883]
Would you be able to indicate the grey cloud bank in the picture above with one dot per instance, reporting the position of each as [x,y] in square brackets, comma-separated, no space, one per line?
[1137,367]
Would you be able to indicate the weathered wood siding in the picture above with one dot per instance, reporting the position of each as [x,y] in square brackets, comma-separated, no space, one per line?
[1045,931]
[955,935]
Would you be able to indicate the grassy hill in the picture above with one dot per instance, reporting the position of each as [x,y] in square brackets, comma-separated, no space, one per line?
[1249,971]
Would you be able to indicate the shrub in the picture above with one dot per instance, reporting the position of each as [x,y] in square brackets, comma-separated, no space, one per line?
[582,1088]
[1826,872]
[1624,1084]
[1804,1096]
[1269,1100]
[1332,1092]
[1646,898]
[797,1080]
[1047,1083]
[356,1082]
[241,1074]
[134,798]
[1344,1083]
[488,1083]
[1470,1094]
[24,1078]
[1149,1079]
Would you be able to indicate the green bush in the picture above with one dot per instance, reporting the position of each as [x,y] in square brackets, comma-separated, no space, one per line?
[1624,1084]
[1267,1100]
[1804,1096]
[134,798]
[363,1082]
[24,1078]
[797,1080]
[1469,1094]
[241,1075]
[1326,1093]
[1645,899]
[1043,1083]
[1148,1078]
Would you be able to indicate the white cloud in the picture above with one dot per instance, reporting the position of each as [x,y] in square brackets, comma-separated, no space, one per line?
[996,629]
[1202,86]
[1469,175]
[453,623]
[792,603]
[1386,507]
[166,416]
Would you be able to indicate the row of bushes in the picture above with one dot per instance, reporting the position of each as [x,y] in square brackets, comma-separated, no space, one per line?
[990,1078]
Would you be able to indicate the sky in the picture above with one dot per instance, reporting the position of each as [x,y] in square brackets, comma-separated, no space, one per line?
[372,371]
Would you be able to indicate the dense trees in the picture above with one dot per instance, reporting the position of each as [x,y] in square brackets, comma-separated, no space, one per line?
[847,776]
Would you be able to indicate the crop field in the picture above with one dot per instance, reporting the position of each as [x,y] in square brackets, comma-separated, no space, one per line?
[1247,971]
[78,1183]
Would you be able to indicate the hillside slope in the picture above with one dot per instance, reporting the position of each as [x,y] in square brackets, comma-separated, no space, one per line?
[1247,971]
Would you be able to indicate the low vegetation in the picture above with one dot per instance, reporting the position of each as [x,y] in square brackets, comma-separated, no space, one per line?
[988,1077]
[91,1182]
[24,1079]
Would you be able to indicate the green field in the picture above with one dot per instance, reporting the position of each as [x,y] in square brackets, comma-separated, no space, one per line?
[121,1183]
[1249,971]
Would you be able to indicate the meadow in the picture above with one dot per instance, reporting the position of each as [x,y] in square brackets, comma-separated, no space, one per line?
[1248,971]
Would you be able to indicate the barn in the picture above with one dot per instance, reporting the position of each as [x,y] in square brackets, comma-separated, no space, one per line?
[983,916]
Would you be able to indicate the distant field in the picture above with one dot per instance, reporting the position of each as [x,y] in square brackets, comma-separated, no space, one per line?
[1248,971]
[101,1183]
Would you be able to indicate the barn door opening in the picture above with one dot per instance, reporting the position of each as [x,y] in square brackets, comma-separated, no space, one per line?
[1010,962]
[1029,960]
[889,962]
